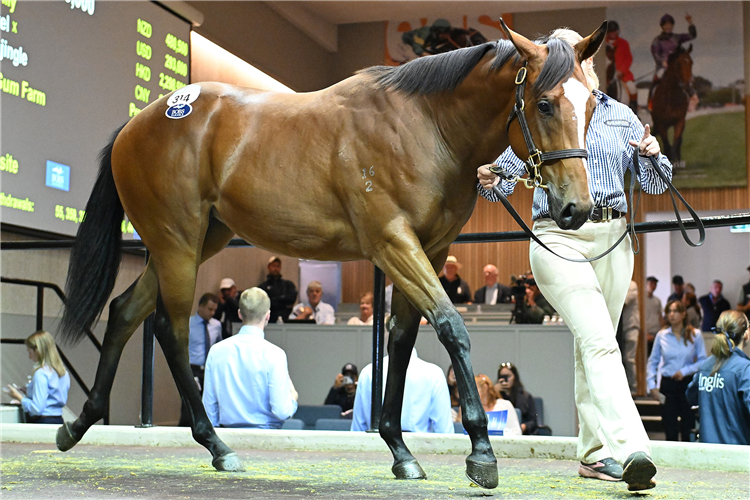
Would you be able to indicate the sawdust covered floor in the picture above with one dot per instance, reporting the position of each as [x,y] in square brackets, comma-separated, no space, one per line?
[97,472]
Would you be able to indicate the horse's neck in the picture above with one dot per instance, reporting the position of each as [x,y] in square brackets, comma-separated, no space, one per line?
[471,120]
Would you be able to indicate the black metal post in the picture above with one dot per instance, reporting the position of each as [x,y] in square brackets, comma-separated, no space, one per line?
[147,381]
[39,308]
[378,336]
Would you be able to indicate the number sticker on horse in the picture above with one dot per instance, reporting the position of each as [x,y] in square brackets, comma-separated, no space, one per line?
[179,111]
[185,95]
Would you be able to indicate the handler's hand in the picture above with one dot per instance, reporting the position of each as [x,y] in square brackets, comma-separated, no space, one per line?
[655,394]
[678,376]
[648,146]
[487,179]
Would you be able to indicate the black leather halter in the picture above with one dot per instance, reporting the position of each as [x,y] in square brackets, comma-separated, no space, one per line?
[536,157]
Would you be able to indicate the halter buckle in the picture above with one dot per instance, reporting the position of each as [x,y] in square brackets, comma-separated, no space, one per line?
[535,159]
[521,75]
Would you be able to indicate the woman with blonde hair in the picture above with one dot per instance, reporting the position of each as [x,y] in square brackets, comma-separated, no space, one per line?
[721,387]
[47,393]
[677,354]
[492,400]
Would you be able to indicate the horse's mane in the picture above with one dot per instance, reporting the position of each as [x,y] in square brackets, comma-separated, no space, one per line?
[444,72]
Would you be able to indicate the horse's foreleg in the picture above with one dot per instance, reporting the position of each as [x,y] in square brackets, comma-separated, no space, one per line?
[402,337]
[404,261]
[126,312]
[679,128]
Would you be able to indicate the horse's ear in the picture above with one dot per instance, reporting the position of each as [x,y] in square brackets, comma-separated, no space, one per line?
[588,46]
[528,49]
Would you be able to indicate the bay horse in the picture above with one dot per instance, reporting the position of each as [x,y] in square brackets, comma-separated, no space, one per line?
[381,166]
[671,100]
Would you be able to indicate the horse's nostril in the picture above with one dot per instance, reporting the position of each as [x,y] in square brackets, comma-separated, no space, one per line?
[567,212]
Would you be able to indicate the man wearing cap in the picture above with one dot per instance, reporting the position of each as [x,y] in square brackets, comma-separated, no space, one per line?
[456,288]
[205,331]
[344,389]
[743,304]
[315,308]
[492,292]
[226,311]
[667,42]
[283,293]
[247,378]
[679,288]
[652,310]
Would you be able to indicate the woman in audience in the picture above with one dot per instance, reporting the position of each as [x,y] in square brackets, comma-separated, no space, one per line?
[510,387]
[450,377]
[44,397]
[365,311]
[678,352]
[721,387]
[690,302]
[493,401]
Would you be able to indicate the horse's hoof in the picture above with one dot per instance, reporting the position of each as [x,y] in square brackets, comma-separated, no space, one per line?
[408,470]
[228,463]
[482,474]
[64,438]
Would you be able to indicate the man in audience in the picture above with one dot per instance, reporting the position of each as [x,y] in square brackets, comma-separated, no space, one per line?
[426,402]
[226,312]
[743,304]
[535,307]
[283,293]
[344,389]
[492,292]
[247,379]
[315,308]
[365,311]
[456,288]
[205,331]
[679,288]
[652,309]
[713,304]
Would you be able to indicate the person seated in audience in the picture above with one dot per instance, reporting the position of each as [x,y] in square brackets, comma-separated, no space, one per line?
[226,310]
[492,292]
[283,293]
[493,401]
[535,307]
[690,301]
[344,389]
[677,354]
[365,311]
[426,403]
[450,378]
[315,308]
[46,394]
[457,289]
[510,387]
[721,388]
[247,381]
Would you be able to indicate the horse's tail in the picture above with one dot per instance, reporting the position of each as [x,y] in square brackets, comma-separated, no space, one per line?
[96,254]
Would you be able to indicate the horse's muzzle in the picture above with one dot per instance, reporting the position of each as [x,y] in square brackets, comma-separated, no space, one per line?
[573,215]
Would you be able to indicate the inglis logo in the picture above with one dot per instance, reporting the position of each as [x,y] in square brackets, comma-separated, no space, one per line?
[709,383]
[179,111]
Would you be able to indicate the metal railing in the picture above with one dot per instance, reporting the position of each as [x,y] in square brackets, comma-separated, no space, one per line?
[379,293]
[40,286]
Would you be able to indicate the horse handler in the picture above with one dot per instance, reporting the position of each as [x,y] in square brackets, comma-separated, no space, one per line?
[590,296]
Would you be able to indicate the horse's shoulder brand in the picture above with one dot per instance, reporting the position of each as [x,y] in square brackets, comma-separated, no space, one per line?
[178,111]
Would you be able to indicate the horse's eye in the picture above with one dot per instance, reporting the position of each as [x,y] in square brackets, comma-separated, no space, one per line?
[544,107]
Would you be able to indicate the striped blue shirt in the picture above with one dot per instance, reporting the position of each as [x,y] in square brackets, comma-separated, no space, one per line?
[612,126]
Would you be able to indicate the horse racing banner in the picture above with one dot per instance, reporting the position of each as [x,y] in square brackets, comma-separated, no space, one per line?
[681,67]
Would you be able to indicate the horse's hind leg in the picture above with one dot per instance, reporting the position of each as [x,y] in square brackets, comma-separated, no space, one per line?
[126,312]
[403,335]
[176,267]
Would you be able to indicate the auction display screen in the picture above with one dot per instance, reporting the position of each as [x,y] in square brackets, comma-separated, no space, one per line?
[73,71]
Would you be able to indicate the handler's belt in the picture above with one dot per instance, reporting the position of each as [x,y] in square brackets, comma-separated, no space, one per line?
[603,214]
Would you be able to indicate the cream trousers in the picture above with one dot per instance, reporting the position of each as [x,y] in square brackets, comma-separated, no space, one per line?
[590,297]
